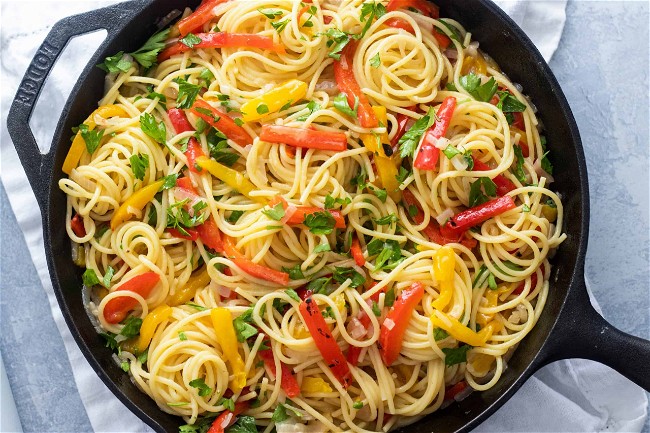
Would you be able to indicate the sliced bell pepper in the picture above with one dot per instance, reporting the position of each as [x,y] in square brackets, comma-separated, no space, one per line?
[396,322]
[314,385]
[347,83]
[386,165]
[469,218]
[221,121]
[504,185]
[474,65]
[453,391]
[185,294]
[191,235]
[305,138]
[186,184]
[224,40]
[150,323]
[402,126]
[289,383]
[289,93]
[325,342]
[444,263]
[210,235]
[228,418]
[429,154]
[78,145]
[459,331]
[117,308]
[222,323]
[254,269]
[425,7]
[180,123]
[432,231]
[230,177]
[301,212]
[138,200]
[77,226]
[357,254]
[533,282]
[199,17]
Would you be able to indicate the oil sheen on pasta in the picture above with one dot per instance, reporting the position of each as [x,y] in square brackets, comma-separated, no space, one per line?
[221,332]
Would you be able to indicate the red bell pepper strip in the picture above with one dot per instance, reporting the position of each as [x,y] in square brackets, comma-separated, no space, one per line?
[117,308]
[454,390]
[192,235]
[301,212]
[228,418]
[402,124]
[253,269]
[357,254]
[347,83]
[533,282]
[428,155]
[306,138]
[200,16]
[432,231]
[77,226]
[469,218]
[210,235]
[180,123]
[223,40]
[425,7]
[289,383]
[504,185]
[326,344]
[394,326]
[354,351]
[186,184]
[222,122]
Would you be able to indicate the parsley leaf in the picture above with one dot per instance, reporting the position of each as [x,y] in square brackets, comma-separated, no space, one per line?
[244,424]
[219,149]
[312,106]
[201,425]
[131,327]
[322,248]
[337,41]
[190,40]
[89,278]
[270,13]
[155,130]
[293,295]
[234,216]
[455,33]
[480,92]
[518,170]
[509,104]
[451,151]
[409,141]
[388,252]
[389,298]
[439,334]
[204,389]
[207,76]
[381,194]
[402,175]
[341,275]
[280,25]
[456,355]
[331,202]
[370,12]
[476,195]
[108,276]
[91,137]
[243,329]
[320,223]
[375,61]
[116,63]
[280,413]
[375,309]
[182,336]
[139,163]
[340,102]
[295,273]
[320,285]
[386,220]
[169,181]
[276,213]
[147,55]
[187,93]
[227,403]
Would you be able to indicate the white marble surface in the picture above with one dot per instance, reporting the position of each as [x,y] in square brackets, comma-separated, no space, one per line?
[602,65]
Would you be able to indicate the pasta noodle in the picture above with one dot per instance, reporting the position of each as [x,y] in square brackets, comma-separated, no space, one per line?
[212,285]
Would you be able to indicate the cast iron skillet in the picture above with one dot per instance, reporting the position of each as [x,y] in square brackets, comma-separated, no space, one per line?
[568,328]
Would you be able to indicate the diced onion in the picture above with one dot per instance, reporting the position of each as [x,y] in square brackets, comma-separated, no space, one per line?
[452,54]
[444,216]
[537,166]
[472,49]
[356,328]
[389,323]
[327,86]
[442,143]
[82,181]
[224,291]
[462,395]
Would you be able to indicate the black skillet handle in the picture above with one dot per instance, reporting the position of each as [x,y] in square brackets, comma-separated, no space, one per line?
[38,166]
[583,333]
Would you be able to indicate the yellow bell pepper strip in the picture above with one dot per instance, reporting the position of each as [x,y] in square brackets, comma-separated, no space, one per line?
[79,145]
[459,331]
[222,322]
[197,281]
[313,385]
[150,323]
[271,102]
[138,200]
[474,65]
[230,177]
[444,263]
[386,165]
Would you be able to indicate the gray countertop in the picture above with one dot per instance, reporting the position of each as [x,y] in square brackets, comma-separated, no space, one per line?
[602,65]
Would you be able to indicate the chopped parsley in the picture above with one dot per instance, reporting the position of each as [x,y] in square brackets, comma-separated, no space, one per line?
[340,102]
[204,389]
[187,93]
[90,137]
[456,355]
[293,295]
[276,213]
[312,106]
[139,164]
[481,92]
[295,273]
[320,223]
[341,275]
[375,61]
[156,130]
[190,40]
[481,190]
[409,141]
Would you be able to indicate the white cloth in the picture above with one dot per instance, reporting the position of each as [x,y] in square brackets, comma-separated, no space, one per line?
[566,396]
